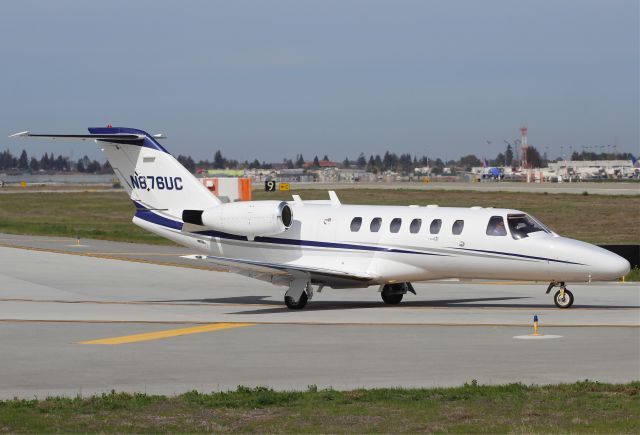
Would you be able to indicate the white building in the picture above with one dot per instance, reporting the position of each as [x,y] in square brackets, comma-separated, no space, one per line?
[594,168]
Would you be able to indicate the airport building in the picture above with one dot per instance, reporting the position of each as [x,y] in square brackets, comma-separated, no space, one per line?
[594,168]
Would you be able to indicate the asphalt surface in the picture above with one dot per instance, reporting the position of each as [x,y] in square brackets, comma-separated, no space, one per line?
[108,317]
[608,188]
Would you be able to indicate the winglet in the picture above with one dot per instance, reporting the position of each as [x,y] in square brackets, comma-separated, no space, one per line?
[21,134]
[335,202]
[297,199]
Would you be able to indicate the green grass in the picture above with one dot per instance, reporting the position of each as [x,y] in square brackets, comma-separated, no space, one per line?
[634,275]
[94,215]
[581,407]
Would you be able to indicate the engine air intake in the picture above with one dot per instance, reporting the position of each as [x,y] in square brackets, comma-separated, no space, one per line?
[192,217]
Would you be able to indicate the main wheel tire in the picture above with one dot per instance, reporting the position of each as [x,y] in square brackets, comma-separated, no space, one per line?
[391,298]
[296,305]
[563,301]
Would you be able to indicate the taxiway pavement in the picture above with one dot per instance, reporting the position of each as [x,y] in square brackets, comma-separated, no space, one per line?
[171,328]
[592,188]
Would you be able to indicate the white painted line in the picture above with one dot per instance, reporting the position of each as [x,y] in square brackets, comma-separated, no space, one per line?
[535,337]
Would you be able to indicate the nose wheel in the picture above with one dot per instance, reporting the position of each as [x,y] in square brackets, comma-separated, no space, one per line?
[563,297]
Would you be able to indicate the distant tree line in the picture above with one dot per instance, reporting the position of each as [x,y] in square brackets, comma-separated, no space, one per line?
[49,162]
[220,162]
[588,155]
[403,163]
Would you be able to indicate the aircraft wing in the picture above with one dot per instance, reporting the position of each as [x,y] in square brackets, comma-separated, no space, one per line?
[281,274]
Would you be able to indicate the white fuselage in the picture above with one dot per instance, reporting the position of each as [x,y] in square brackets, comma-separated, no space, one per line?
[321,237]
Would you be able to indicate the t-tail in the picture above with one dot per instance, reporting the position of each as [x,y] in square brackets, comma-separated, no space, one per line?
[154,179]
[156,182]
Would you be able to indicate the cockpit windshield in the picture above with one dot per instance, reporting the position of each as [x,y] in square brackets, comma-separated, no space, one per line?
[521,225]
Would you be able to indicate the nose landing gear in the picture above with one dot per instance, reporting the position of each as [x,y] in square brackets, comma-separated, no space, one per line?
[563,297]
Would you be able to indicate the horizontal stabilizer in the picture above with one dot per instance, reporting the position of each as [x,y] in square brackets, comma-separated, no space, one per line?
[118,136]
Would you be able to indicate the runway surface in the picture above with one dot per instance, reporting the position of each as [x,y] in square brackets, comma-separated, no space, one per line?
[592,188]
[617,188]
[108,317]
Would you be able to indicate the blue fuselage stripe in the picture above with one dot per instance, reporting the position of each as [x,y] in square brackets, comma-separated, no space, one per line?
[170,223]
[314,243]
[531,257]
[159,220]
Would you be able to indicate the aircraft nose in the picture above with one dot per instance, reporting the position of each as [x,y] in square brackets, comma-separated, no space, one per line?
[611,266]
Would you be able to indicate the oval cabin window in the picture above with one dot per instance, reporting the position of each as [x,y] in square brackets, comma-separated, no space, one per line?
[457,227]
[375,225]
[415,226]
[356,223]
[395,225]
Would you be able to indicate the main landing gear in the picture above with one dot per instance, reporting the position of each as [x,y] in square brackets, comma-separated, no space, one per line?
[563,297]
[392,293]
[299,293]
[292,304]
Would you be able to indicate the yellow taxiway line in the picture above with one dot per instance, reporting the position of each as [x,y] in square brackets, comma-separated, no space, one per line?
[147,336]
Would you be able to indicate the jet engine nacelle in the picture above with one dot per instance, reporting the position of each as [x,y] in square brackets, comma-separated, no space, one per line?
[250,218]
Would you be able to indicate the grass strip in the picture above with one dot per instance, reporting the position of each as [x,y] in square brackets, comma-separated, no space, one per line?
[634,275]
[580,407]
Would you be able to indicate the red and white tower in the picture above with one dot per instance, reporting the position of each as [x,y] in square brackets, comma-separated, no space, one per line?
[525,147]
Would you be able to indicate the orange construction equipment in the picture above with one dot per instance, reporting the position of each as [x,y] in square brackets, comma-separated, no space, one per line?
[235,189]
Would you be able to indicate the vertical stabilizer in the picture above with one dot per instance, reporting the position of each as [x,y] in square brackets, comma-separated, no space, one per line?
[153,178]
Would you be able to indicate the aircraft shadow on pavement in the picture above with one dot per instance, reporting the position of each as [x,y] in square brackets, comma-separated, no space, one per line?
[324,305]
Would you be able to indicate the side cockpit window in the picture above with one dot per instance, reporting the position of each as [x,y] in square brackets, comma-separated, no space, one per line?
[496,226]
[521,225]
[356,223]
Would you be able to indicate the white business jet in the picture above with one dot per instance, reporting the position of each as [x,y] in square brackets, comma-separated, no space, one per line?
[301,244]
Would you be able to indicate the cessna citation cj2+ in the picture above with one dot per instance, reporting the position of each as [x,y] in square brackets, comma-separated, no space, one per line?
[301,244]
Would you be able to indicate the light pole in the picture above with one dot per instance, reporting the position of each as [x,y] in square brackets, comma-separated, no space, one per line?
[505,152]
[546,152]
[488,151]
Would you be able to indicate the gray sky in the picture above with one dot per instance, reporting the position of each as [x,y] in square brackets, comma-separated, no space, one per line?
[269,79]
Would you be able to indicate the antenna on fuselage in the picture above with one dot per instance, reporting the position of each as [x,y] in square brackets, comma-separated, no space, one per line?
[335,202]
